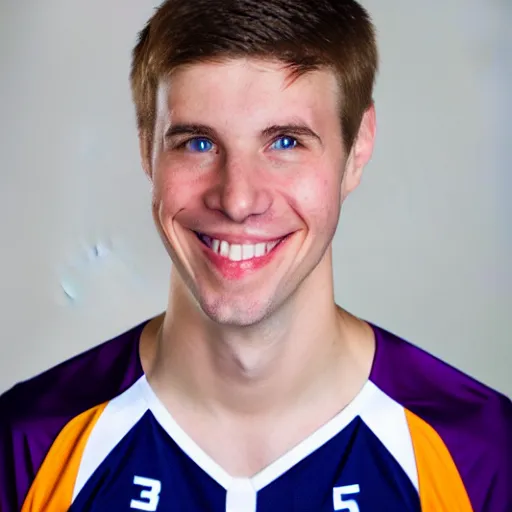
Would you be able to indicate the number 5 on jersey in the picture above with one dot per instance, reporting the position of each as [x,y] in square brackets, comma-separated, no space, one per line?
[341,498]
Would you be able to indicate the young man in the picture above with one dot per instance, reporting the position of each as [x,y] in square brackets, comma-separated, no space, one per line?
[254,391]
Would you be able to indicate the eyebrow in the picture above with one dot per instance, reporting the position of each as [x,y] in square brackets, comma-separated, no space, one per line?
[189,129]
[299,129]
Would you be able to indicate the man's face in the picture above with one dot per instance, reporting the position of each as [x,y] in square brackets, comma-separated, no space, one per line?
[248,172]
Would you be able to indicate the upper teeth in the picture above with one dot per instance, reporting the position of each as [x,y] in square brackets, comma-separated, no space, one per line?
[239,252]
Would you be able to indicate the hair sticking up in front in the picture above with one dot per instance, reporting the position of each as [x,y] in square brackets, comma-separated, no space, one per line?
[303,34]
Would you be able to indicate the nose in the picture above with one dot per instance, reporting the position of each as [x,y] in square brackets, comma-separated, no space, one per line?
[240,191]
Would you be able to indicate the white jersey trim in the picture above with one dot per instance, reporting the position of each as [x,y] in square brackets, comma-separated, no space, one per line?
[276,468]
[386,419]
[120,415]
[317,439]
[182,439]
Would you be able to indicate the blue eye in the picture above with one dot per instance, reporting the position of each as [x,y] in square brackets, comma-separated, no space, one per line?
[199,145]
[284,143]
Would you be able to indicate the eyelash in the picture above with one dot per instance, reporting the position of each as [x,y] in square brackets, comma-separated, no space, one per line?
[285,136]
[182,145]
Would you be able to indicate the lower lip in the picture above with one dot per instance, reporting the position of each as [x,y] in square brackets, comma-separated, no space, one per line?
[240,269]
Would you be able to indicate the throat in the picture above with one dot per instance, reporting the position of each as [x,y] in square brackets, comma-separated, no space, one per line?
[247,363]
[258,372]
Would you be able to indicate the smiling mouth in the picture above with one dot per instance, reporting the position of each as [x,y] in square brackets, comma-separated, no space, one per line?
[238,252]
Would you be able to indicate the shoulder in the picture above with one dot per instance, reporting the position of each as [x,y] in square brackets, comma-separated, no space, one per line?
[432,388]
[473,420]
[79,383]
[33,412]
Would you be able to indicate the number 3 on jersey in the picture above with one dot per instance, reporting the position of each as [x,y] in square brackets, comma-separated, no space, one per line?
[340,495]
[149,496]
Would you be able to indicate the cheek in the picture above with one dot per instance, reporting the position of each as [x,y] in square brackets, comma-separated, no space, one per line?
[172,190]
[316,198]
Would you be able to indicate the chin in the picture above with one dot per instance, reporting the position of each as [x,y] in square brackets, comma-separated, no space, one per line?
[235,313]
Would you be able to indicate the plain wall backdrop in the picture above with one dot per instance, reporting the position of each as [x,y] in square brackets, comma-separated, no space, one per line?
[423,248]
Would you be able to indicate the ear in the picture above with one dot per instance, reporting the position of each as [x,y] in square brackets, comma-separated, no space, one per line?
[145,153]
[360,153]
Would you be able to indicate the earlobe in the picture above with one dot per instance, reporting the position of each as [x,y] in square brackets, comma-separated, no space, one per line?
[351,176]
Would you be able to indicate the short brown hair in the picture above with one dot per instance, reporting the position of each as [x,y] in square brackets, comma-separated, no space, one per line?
[303,34]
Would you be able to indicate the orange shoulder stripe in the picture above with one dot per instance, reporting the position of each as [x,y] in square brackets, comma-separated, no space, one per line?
[52,489]
[440,484]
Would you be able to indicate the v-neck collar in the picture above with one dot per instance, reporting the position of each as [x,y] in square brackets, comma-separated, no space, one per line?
[275,469]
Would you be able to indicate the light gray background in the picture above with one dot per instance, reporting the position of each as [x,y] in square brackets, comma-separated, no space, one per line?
[424,246]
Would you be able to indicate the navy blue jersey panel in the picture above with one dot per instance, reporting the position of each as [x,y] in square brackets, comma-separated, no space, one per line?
[353,469]
[148,471]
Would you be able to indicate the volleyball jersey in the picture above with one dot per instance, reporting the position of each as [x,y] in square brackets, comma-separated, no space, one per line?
[91,435]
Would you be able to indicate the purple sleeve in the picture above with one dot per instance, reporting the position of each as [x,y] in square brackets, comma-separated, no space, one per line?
[33,412]
[497,496]
[15,468]
[473,420]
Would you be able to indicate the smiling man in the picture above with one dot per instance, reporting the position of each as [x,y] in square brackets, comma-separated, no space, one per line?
[254,392]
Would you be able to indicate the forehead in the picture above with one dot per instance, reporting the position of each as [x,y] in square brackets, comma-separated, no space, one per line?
[249,90]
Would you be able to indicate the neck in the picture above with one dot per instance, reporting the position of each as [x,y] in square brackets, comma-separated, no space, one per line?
[288,360]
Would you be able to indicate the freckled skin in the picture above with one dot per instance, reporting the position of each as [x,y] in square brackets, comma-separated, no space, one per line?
[245,185]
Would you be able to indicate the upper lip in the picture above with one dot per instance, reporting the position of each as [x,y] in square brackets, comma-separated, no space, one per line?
[241,239]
